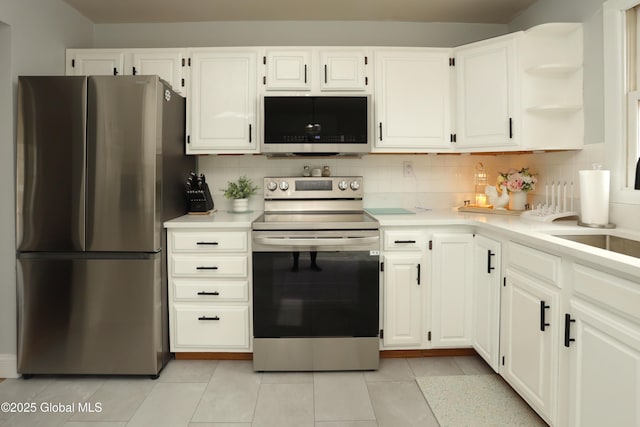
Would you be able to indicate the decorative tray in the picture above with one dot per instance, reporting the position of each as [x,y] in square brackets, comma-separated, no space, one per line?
[487,210]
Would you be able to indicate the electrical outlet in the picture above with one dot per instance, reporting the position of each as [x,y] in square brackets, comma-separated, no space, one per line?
[407,169]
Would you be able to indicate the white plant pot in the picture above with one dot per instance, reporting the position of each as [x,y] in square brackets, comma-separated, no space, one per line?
[240,205]
[517,200]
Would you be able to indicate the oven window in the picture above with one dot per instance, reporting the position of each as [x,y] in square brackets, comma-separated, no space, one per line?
[315,294]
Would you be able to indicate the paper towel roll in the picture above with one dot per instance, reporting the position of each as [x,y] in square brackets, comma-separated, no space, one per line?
[594,197]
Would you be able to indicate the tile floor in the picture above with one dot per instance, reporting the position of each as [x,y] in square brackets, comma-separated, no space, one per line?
[198,393]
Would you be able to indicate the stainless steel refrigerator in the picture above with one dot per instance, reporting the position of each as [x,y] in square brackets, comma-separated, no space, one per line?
[100,165]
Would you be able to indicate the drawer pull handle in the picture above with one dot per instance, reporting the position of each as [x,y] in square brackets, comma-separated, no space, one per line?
[206,268]
[543,322]
[208,293]
[418,278]
[404,241]
[207,243]
[208,318]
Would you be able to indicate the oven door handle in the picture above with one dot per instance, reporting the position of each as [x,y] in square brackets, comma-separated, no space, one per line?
[319,241]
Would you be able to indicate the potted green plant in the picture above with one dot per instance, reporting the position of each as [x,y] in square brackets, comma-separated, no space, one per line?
[239,192]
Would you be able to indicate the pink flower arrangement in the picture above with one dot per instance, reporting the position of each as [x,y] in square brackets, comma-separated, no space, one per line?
[517,180]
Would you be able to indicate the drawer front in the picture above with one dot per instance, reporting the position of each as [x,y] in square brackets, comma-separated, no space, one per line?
[209,266]
[211,326]
[616,293]
[209,241]
[535,263]
[404,240]
[210,290]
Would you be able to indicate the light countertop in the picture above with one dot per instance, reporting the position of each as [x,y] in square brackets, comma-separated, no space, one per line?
[538,234]
[506,227]
[215,219]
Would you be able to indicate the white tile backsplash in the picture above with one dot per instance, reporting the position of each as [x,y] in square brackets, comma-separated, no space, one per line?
[440,181]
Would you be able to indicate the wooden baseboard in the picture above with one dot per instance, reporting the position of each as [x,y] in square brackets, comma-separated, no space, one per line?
[213,356]
[440,352]
[384,354]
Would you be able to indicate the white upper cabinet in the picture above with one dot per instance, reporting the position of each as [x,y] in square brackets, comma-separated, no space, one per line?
[95,62]
[412,100]
[343,70]
[518,92]
[287,70]
[222,106]
[315,69]
[522,91]
[166,63]
[486,94]
[552,102]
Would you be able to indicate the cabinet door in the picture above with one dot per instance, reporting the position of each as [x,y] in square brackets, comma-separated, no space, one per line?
[343,70]
[412,100]
[403,309]
[486,299]
[485,88]
[451,290]
[166,64]
[95,62]
[288,70]
[530,354]
[604,369]
[222,103]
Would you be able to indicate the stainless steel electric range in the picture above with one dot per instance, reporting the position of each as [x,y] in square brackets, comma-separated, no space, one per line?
[315,277]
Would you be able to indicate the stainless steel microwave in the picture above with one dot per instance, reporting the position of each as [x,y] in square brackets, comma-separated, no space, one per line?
[316,125]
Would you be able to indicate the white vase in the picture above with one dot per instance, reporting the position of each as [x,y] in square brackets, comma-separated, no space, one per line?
[517,200]
[240,205]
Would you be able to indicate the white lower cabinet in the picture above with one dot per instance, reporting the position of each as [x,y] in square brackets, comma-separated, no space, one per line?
[531,353]
[486,299]
[603,341]
[530,327]
[426,285]
[403,288]
[209,290]
[403,321]
[211,326]
[451,290]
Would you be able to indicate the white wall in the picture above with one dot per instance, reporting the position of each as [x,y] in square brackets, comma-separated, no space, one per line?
[33,36]
[297,33]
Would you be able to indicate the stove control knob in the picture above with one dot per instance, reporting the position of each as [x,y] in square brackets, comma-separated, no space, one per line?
[355,185]
[284,185]
[271,186]
[343,185]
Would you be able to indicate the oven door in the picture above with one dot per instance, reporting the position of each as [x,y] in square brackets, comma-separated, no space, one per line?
[315,284]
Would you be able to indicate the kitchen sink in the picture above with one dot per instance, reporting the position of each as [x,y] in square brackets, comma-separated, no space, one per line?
[611,243]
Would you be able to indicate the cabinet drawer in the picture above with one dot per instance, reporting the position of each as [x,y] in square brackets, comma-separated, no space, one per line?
[534,263]
[404,240]
[616,293]
[209,241]
[211,326]
[210,290]
[209,266]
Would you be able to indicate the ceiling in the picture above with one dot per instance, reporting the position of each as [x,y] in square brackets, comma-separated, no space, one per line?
[139,11]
